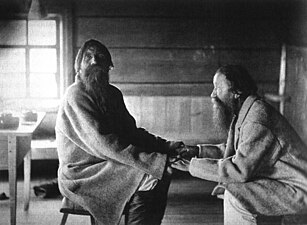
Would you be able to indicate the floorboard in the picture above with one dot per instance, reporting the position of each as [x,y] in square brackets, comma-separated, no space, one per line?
[189,203]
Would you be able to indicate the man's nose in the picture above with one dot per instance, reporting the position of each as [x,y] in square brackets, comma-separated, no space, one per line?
[93,60]
[213,94]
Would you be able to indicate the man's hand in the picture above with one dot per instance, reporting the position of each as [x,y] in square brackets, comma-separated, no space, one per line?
[175,148]
[189,152]
[174,144]
[183,151]
[181,164]
[168,171]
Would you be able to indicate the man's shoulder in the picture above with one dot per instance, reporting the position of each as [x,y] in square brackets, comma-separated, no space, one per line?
[75,87]
[74,92]
[262,107]
[262,112]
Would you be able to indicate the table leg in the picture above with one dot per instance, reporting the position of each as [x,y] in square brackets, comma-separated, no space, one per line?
[12,162]
[27,180]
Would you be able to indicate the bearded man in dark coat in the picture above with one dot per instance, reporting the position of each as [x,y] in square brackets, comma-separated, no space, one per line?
[106,163]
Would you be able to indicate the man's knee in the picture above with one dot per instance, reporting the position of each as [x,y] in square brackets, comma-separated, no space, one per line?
[236,213]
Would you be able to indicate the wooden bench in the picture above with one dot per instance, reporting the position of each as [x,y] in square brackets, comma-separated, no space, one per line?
[42,149]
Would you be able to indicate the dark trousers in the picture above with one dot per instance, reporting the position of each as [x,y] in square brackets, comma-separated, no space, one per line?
[148,207]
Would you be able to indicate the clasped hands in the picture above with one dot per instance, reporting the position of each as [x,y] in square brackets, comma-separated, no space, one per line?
[181,156]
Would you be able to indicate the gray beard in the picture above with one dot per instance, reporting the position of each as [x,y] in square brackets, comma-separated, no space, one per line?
[222,116]
[96,82]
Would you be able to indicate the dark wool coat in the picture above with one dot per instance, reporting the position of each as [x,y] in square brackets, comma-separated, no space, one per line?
[103,156]
[265,167]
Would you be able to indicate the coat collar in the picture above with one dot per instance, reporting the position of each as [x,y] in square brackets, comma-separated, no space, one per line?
[247,104]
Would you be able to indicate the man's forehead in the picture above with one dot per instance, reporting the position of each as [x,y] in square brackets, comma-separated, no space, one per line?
[220,79]
[94,49]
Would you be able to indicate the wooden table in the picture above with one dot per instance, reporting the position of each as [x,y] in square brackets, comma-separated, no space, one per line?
[15,146]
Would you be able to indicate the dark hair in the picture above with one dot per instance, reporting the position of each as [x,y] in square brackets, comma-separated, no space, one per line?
[241,81]
[88,44]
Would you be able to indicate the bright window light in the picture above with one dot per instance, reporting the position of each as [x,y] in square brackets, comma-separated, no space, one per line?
[30,58]
[14,85]
[43,85]
[42,32]
[12,60]
[43,60]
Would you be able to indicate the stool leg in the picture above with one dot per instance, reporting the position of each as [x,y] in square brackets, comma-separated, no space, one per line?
[93,222]
[64,219]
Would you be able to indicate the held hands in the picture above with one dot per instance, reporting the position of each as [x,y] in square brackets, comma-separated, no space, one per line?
[175,148]
[189,152]
[181,164]
[180,157]
[179,149]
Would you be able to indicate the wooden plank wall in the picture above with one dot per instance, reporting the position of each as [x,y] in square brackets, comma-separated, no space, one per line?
[296,89]
[166,52]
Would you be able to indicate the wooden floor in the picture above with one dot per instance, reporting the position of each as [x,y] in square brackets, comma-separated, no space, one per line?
[189,203]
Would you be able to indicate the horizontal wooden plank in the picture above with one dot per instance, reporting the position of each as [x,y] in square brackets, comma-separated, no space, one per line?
[246,33]
[199,65]
[44,149]
[263,65]
[144,32]
[177,32]
[189,65]
[202,89]
[174,117]
[182,8]
[139,8]
[163,65]
[44,153]
[187,118]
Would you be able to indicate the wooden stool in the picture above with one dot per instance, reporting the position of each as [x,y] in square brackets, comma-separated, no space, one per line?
[68,207]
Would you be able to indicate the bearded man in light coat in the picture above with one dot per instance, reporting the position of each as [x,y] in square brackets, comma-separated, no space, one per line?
[263,166]
[106,163]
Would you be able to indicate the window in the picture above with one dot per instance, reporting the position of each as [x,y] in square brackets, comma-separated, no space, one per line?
[30,58]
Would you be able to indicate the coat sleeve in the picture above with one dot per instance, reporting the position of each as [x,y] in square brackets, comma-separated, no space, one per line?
[82,124]
[213,151]
[257,149]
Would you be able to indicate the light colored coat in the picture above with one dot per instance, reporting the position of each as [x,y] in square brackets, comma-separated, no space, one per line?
[265,164]
[103,155]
